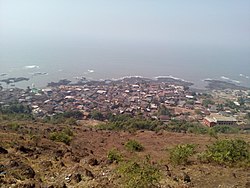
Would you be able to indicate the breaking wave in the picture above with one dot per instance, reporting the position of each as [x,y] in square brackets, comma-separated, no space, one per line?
[31,67]
[230,80]
[244,76]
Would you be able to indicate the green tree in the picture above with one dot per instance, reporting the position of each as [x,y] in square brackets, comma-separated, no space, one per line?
[207,102]
[15,108]
[220,107]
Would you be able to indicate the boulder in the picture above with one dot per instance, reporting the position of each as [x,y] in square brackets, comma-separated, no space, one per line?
[93,162]
[88,173]
[186,178]
[76,178]
[3,151]
[25,149]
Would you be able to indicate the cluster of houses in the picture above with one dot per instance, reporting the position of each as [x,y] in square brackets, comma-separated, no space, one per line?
[144,98]
[123,98]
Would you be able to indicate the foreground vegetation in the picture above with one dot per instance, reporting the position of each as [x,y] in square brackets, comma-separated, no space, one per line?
[64,136]
[139,174]
[234,152]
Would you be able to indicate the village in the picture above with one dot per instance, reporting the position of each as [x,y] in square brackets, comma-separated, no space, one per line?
[81,134]
[154,100]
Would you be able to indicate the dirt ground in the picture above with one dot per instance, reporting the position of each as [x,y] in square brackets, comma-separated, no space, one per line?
[28,158]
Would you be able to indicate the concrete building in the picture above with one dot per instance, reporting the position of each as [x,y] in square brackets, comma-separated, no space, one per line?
[215,120]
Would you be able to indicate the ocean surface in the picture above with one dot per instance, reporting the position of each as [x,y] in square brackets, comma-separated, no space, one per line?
[46,62]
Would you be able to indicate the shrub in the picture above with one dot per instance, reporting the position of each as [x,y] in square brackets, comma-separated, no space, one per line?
[125,122]
[181,153]
[114,155]
[196,128]
[97,115]
[119,118]
[71,121]
[228,152]
[73,114]
[69,117]
[64,136]
[225,129]
[139,174]
[212,133]
[55,119]
[13,126]
[134,145]
[68,131]
[184,126]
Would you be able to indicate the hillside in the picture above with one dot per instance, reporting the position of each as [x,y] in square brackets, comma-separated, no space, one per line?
[30,157]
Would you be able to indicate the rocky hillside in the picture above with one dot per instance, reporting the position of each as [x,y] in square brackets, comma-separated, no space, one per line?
[33,154]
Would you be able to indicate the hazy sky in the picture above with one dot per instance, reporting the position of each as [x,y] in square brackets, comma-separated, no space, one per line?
[191,39]
[180,22]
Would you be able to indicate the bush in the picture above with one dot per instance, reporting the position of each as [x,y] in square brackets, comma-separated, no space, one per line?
[133,145]
[13,126]
[139,174]
[16,117]
[125,122]
[114,156]
[68,131]
[119,118]
[180,154]
[55,119]
[73,114]
[71,121]
[62,118]
[228,152]
[225,129]
[196,128]
[97,115]
[64,136]
[184,126]
[212,133]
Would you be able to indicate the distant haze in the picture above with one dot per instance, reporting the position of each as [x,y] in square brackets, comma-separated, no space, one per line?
[193,40]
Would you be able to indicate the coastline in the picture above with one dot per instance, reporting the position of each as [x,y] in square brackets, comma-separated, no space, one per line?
[208,83]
